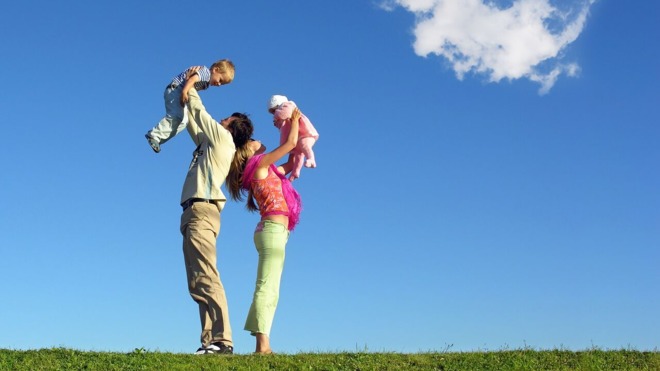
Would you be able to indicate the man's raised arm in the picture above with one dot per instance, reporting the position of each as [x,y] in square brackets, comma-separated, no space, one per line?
[199,119]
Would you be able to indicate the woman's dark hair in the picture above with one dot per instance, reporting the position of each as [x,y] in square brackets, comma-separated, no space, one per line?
[241,129]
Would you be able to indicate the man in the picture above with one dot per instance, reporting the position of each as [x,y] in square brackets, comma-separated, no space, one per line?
[202,201]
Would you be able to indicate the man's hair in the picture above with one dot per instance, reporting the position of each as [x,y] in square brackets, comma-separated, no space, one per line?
[226,67]
[241,129]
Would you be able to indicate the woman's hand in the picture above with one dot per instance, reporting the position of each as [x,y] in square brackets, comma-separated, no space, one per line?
[295,115]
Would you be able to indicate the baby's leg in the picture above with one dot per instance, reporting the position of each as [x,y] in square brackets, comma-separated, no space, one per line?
[306,145]
[297,157]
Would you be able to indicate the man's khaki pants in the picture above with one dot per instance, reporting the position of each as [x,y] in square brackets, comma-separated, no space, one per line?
[200,225]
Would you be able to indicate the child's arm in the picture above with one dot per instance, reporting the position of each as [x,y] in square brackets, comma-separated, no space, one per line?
[191,78]
[284,148]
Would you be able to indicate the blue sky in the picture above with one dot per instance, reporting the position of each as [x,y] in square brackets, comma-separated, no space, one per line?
[487,175]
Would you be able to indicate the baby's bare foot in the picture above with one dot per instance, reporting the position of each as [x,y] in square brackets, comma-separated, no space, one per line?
[310,163]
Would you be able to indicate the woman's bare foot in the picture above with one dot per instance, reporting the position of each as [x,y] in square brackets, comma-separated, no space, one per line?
[263,344]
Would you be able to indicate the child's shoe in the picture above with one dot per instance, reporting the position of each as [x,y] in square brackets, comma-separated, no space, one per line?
[152,142]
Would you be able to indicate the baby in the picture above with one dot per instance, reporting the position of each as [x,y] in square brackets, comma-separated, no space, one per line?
[281,108]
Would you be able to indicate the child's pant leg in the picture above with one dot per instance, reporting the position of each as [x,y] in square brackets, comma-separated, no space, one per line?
[173,122]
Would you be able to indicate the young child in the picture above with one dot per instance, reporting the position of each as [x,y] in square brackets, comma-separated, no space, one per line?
[281,108]
[176,96]
[255,173]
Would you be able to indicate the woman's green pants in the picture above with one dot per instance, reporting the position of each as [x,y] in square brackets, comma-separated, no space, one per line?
[270,240]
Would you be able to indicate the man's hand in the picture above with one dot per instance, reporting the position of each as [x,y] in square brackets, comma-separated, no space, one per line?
[192,70]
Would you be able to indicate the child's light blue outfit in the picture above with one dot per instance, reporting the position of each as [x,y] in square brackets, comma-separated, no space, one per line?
[173,123]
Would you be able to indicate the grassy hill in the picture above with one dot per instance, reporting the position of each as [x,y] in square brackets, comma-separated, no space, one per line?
[524,359]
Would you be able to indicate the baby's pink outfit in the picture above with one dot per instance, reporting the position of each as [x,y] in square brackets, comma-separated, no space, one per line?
[307,136]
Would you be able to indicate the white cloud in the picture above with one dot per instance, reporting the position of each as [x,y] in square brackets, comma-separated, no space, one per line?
[522,40]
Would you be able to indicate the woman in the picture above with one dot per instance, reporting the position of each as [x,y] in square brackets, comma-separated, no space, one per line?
[269,192]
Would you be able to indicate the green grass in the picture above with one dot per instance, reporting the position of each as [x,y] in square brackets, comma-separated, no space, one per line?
[524,359]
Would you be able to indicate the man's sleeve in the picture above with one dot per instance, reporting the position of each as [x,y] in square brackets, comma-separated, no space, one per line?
[193,128]
[201,119]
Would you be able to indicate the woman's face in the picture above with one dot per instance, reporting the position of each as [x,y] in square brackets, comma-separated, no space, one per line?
[256,147]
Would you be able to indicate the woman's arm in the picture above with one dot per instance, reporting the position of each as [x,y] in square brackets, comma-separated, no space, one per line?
[286,167]
[286,147]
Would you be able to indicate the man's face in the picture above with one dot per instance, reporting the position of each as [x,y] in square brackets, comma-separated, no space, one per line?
[227,121]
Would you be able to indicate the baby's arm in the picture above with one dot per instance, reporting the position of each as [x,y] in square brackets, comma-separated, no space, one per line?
[307,130]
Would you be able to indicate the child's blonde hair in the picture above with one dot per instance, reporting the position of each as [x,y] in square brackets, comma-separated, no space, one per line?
[226,67]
